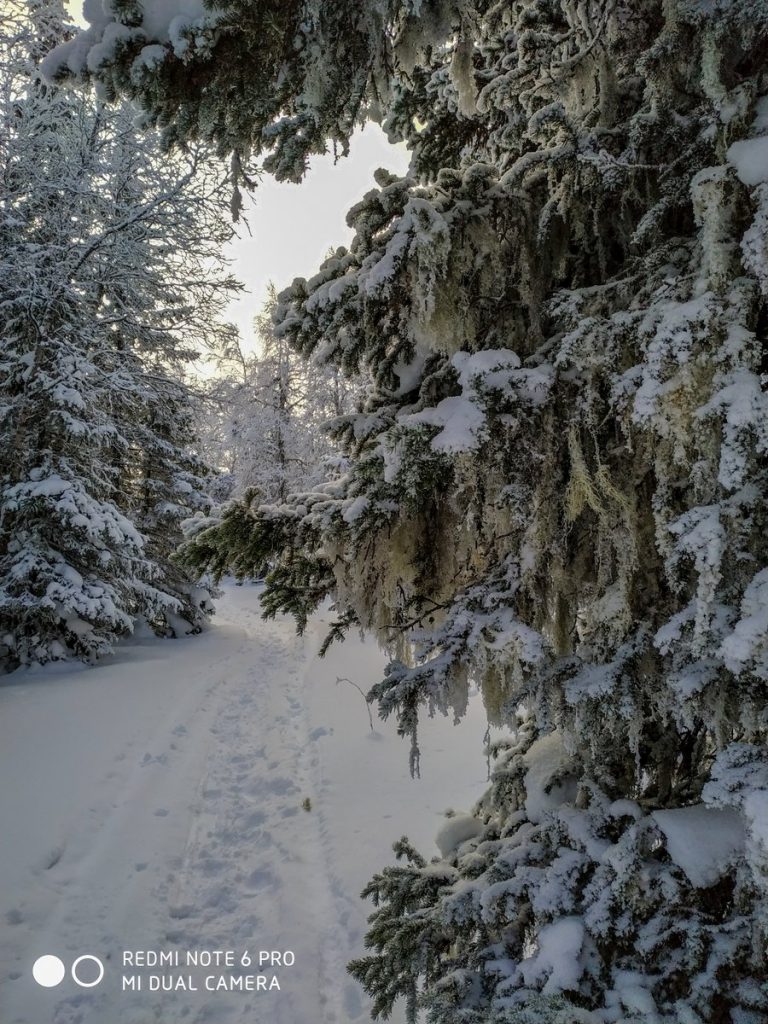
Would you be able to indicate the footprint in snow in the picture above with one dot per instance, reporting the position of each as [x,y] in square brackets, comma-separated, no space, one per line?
[254,820]
[181,912]
[262,878]
[279,786]
[53,857]
[157,759]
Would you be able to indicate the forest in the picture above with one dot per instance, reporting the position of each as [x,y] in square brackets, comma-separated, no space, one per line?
[503,457]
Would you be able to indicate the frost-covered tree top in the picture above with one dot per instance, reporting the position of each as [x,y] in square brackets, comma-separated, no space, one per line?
[274,76]
[290,77]
[558,482]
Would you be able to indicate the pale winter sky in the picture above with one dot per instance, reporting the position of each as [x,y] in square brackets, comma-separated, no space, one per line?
[293,226]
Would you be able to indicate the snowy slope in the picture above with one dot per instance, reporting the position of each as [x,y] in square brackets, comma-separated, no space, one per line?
[155,803]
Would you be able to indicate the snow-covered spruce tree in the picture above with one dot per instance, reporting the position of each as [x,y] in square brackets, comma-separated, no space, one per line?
[103,254]
[557,487]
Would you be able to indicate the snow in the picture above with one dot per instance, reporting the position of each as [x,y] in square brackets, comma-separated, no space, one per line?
[161,15]
[409,374]
[756,814]
[671,329]
[545,760]
[557,957]
[705,842]
[760,124]
[629,988]
[750,159]
[163,21]
[462,419]
[156,803]
[473,364]
[739,780]
[461,424]
[355,509]
[458,828]
[105,50]
[148,59]
[742,404]
[499,370]
[748,638]
[379,277]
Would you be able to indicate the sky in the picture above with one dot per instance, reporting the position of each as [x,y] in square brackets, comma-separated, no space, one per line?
[292,227]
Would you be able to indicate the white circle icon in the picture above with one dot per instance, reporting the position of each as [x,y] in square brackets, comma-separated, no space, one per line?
[48,971]
[83,959]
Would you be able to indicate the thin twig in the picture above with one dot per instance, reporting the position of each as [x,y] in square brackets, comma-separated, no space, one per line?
[343,679]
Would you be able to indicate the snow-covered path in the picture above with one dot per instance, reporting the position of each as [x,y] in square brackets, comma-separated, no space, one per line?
[157,802]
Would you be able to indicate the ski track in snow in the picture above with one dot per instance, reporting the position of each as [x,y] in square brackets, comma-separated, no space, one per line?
[157,803]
